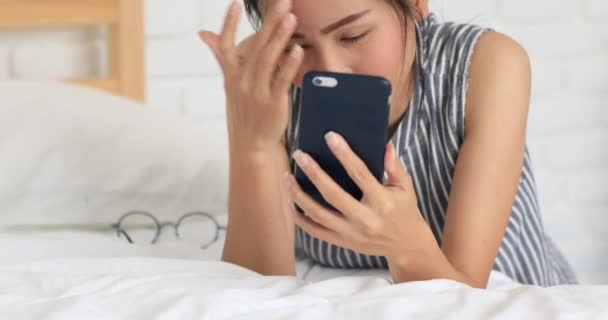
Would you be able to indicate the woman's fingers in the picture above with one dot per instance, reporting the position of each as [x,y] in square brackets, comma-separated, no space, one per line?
[273,18]
[273,21]
[319,232]
[244,49]
[319,214]
[355,167]
[212,41]
[289,66]
[226,43]
[329,189]
[257,114]
[268,57]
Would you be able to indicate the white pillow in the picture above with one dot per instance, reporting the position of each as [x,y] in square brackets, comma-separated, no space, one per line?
[73,155]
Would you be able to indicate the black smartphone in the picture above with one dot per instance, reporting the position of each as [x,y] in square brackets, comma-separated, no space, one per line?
[356,107]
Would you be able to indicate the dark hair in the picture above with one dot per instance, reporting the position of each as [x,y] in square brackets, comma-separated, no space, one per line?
[255,14]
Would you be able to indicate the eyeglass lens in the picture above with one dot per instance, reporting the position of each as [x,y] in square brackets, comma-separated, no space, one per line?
[197,229]
[139,227]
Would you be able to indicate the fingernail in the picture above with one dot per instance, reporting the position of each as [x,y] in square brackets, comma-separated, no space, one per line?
[332,139]
[282,6]
[296,50]
[234,7]
[289,21]
[300,158]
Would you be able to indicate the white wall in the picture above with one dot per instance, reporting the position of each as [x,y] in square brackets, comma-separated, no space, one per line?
[567,42]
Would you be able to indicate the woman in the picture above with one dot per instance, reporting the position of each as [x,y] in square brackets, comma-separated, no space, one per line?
[460,197]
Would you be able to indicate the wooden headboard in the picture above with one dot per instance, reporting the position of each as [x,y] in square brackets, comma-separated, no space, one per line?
[124,19]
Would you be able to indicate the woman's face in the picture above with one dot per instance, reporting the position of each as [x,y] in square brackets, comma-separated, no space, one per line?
[356,36]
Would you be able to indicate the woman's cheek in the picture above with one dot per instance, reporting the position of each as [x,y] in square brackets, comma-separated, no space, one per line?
[381,57]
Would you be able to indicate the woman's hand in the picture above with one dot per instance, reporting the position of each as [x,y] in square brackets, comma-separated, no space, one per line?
[257,90]
[387,222]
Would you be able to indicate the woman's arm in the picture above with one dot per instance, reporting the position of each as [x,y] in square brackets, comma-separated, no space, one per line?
[260,234]
[489,165]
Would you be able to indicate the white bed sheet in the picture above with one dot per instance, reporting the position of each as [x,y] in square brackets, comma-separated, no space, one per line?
[89,275]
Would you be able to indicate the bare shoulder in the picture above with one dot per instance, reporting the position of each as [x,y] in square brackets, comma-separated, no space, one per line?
[494,43]
[500,76]
[497,56]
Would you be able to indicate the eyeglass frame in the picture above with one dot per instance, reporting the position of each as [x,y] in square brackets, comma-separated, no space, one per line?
[160,225]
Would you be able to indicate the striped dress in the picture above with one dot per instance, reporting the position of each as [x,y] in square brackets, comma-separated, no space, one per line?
[428,140]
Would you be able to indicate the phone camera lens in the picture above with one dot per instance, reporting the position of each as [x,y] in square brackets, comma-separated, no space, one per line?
[317,81]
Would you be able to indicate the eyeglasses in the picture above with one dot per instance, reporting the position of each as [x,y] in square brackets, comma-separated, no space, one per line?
[141,227]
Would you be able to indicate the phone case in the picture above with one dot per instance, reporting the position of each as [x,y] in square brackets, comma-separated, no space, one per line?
[356,107]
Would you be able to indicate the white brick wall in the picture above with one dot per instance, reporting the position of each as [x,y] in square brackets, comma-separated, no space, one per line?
[59,60]
[166,18]
[180,55]
[568,129]
[597,9]
[55,53]
[523,10]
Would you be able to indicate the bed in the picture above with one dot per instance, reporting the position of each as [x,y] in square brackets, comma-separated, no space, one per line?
[75,156]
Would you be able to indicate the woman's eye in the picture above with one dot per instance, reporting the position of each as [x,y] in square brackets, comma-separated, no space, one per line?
[355,38]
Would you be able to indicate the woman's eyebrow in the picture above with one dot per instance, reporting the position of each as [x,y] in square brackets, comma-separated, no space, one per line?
[344,21]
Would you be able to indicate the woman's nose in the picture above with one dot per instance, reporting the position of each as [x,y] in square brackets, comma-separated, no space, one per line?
[332,62]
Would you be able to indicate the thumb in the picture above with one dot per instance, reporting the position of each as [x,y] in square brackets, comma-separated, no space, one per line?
[397,174]
[211,40]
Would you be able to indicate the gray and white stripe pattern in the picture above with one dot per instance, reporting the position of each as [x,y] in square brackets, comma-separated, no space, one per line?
[428,140]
